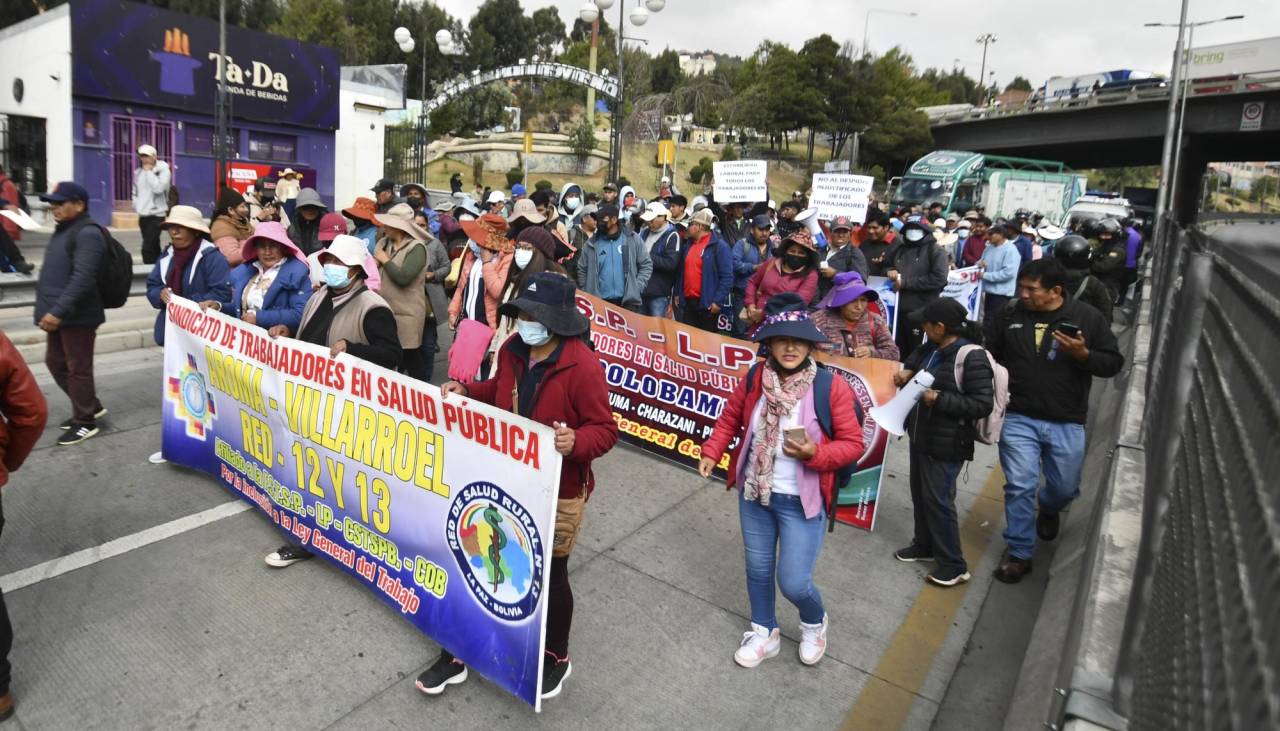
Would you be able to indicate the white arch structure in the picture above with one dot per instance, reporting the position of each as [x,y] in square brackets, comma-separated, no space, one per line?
[604,85]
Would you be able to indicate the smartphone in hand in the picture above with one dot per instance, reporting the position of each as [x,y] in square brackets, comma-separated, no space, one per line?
[797,435]
[1069,329]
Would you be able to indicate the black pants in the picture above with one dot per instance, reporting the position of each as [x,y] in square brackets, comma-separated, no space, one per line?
[427,351]
[6,633]
[702,319]
[933,501]
[9,249]
[150,226]
[991,306]
[559,611]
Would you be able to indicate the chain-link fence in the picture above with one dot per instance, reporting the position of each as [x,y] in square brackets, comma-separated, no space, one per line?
[1201,648]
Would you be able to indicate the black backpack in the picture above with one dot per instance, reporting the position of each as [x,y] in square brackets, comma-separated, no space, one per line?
[171,196]
[115,275]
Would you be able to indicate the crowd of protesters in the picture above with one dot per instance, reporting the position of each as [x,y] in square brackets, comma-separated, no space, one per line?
[389,276]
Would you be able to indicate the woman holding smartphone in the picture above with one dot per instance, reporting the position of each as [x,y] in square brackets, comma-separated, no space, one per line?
[784,466]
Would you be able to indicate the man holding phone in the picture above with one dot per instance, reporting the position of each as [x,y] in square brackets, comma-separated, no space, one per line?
[1053,346]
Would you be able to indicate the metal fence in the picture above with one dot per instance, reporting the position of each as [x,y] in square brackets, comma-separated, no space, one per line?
[406,149]
[1201,645]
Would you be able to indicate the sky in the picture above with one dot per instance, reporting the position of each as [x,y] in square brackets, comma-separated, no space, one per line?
[1037,39]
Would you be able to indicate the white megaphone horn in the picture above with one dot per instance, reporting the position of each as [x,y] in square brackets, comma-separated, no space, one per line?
[809,217]
[892,416]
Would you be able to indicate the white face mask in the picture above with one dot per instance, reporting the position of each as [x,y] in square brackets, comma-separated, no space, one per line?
[571,204]
[913,234]
[523,257]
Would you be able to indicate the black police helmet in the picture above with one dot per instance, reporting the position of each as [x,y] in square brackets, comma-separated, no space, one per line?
[1110,227]
[1073,252]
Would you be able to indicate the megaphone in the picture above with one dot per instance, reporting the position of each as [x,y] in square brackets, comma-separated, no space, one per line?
[893,416]
[809,217]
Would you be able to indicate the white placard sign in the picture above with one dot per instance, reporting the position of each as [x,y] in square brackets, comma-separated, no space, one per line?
[837,194]
[741,181]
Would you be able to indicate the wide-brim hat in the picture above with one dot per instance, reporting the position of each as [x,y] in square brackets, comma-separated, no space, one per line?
[400,217]
[286,171]
[186,217]
[363,209]
[348,249]
[786,315]
[274,232]
[490,232]
[800,236]
[404,189]
[467,205]
[526,209]
[845,288]
[550,299]
[947,239]
[1049,232]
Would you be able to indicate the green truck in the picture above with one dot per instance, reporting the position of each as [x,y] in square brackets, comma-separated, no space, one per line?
[962,181]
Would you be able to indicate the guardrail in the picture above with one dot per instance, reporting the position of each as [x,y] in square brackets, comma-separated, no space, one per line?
[1197,89]
[19,290]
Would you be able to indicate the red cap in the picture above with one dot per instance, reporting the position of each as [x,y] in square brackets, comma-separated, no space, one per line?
[332,225]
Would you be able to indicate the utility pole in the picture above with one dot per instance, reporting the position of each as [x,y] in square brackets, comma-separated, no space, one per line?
[591,90]
[1170,127]
[615,133]
[222,121]
[985,39]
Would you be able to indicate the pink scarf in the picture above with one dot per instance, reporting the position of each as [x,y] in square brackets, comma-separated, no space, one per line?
[781,398]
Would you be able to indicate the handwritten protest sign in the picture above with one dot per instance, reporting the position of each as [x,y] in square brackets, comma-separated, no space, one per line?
[837,194]
[741,181]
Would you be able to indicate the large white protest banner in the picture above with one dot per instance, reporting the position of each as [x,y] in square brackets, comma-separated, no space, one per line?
[838,194]
[741,181]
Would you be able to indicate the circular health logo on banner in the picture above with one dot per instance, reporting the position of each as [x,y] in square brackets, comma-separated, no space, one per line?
[498,549]
[862,393]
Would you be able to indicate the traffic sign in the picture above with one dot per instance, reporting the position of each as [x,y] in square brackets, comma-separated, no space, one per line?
[1251,116]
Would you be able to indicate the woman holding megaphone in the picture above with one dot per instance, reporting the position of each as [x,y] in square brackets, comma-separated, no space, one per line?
[941,428]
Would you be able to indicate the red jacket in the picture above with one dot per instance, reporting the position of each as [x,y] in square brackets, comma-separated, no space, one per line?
[769,280]
[972,252]
[10,193]
[23,407]
[573,391]
[832,454]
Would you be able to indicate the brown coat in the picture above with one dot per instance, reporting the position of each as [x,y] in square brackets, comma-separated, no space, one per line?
[229,236]
[23,408]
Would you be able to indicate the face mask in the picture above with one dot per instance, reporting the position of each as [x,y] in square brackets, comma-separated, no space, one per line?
[523,257]
[475,248]
[532,333]
[571,204]
[914,234]
[337,276]
[963,233]
[795,261]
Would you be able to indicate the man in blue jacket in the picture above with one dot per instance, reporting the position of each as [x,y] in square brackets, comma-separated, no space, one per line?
[69,307]
[662,240]
[752,250]
[705,276]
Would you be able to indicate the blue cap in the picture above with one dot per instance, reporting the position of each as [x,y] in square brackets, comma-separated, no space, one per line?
[66,191]
[762,221]
[517,190]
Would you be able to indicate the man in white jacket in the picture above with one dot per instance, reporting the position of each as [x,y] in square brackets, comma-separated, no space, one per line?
[151,180]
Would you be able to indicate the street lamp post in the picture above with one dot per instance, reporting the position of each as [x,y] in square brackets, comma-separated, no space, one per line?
[1181,68]
[445,44]
[866,23]
[986,39]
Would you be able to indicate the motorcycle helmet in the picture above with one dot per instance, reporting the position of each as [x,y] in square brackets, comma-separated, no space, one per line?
[1073,252]
[1109,227]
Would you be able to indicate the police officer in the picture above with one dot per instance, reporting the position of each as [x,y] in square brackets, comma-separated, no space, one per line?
[1109,255]
[1076,255]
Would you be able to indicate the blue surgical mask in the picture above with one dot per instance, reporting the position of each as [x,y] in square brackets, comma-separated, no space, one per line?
[337,276]
[475,248]
[523,257]
[963,233]
[532,333]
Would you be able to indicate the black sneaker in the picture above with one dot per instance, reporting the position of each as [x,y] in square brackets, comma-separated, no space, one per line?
[66,425]
[1047,525]
[913,553]
[287,556]
[947,577]
[446,671]
[22,266]
[77,434]
[554,673]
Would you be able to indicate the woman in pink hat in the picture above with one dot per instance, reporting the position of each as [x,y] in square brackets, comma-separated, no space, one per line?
[271,287]
[852,327]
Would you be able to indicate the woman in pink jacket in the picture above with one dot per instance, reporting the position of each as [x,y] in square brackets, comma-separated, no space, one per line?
[473,312]
[793,268]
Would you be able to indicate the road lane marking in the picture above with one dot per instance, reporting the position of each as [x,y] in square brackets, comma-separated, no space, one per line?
[894,686]
[90,556]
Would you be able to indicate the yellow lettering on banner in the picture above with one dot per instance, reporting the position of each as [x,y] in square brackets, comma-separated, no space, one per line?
[430,462]
[241,380]
[362,451]
[257,438]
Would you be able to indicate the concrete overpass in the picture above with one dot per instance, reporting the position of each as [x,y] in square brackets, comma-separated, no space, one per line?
[1127,131]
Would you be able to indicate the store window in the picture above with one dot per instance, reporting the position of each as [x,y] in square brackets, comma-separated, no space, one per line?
[278,148]
[22,152]
[198,140]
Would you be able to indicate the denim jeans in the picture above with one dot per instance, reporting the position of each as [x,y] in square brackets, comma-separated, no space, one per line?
[738,300]
[779,540]
[656,306]
[1026,446]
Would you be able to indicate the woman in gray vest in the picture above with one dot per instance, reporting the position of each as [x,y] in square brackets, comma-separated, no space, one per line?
[346,317]
[401,254]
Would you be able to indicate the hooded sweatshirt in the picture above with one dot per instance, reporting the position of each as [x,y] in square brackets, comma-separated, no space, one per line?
[923,266]
[567,216]
[306,234]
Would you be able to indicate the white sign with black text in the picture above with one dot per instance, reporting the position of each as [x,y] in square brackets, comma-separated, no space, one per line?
[741,181]
[839,194]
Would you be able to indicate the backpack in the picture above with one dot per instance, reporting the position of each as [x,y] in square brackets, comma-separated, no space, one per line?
[822,381]
[115,275]
[987,429]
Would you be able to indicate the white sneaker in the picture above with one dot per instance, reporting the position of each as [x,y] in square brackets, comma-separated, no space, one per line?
[813,641]
[757,645]
[157,458]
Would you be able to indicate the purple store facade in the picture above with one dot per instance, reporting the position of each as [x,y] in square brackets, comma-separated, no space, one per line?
[144,75]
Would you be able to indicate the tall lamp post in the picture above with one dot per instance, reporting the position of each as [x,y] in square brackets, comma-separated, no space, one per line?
[1179,85]
[590,13]
[986,39]
[445,44]
[866,24]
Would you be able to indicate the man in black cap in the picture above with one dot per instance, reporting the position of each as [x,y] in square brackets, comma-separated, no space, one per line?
[548,373]
[385,192]
[610,193]
[614,265]
[841,256]
[69,307]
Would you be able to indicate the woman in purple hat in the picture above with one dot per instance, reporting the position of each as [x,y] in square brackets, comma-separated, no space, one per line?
[852,328]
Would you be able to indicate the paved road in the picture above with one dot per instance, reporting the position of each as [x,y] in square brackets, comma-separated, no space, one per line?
[163,625]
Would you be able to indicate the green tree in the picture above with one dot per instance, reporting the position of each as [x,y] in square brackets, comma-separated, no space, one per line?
[582,140]
[665,71]
[500,34]
[479,109]
[1019,84]
[548,32]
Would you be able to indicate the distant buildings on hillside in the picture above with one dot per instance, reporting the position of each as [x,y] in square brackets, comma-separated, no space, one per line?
[697,65]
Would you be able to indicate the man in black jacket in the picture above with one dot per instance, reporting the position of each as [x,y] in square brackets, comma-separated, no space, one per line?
[1053,346]
[69,307]
[942,432]
[918,268]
